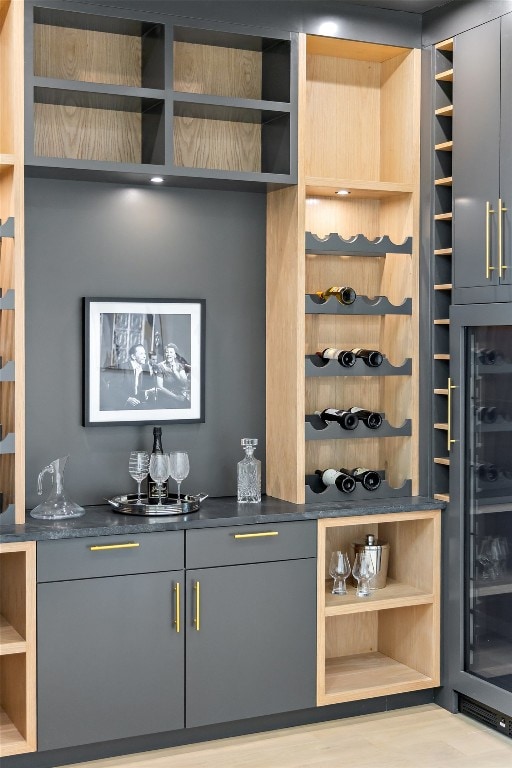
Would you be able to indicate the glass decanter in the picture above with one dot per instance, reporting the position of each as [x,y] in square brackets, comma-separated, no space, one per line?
[57,506]
[249,473]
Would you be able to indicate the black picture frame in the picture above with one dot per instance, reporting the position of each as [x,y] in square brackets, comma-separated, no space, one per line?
[143,361]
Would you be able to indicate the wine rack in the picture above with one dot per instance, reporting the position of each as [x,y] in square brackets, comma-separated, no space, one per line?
[442,267]
[368,239]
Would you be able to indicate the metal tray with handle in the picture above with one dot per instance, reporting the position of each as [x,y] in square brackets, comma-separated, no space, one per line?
[127,505]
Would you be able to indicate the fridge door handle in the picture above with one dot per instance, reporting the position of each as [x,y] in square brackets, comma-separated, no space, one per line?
[488,267]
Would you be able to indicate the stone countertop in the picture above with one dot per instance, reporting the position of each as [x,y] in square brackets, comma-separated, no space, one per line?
[104,521]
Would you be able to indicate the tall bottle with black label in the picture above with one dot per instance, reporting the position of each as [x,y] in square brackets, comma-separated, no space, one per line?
[153,492]
[371,357]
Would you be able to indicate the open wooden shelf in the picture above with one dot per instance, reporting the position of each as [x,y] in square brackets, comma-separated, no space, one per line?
[445,45]
[443,461]
[443,216]
[442,321]
[444,146]
[443,287]
[442,497]
[320,187]
[441,425]
[388,642]
[441,356]
[446,76]
[446,111]
[11,740]
[443,252]
[441,392]
[446,181]
[10,640]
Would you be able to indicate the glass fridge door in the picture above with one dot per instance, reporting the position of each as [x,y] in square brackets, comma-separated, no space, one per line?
[488,504]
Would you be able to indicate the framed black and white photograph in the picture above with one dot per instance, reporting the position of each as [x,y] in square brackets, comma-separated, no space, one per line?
[143,361]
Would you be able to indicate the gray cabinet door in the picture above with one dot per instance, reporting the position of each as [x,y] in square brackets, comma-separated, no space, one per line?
[110,662]
[476,146]
[254,652]
[506,144]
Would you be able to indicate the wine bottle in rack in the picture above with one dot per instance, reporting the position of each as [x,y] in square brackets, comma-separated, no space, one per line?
[487,471]
[153,492]
[345,294]
[490,357]
[345,357]
[343,482]
[371,357]
[372,419]
[487,414]
[369,478]
[345,419]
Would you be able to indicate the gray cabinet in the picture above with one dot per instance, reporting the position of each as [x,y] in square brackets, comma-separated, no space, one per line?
[110,658]
[125,638]
[482,166]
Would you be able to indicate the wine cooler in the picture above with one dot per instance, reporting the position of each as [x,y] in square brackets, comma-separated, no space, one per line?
[478,552]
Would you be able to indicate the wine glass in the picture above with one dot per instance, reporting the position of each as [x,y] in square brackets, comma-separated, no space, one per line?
[179,468]
[159,469]
[339,569]
[363,570]
[138,467]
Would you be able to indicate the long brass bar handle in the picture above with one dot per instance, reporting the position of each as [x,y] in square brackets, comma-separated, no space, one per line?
[488,268]
[178,606]
[501,210]
[197,617]
[450,440]
[258,535]
[103,547]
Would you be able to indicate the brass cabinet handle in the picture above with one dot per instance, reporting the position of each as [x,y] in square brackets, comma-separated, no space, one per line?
[488,268]
[255,535]
[501,210]
[450,440]
[177,606]
[102,547]
[197,617]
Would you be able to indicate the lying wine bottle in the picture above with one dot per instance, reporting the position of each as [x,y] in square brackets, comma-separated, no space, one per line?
[487,472]
[487,414]
[370,356]
[343,482]
[344,294]
[344,357]
[345,419]
[490,357]
[369,478]
[372,419]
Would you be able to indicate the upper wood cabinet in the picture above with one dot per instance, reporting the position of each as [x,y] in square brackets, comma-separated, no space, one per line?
[358,133]
[110,94]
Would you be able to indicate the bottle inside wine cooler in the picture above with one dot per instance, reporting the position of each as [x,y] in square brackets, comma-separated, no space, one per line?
[488,472]
[343,482]
[487,414]
[345,357]
[345,419]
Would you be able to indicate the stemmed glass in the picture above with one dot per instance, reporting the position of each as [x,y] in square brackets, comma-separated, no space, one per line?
[339,569]
[159,469]
[363,570]
[138,467]
[179,468]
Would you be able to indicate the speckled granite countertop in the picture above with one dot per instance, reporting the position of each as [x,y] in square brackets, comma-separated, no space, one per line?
[104,521]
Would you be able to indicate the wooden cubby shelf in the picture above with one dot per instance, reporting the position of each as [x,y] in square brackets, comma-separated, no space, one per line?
[443,461]
[443,287]
[363,305]
[446,76]
[445,45]
[318,429]
[444,146]
[446,111]
[389,642]
[317,366]
[443,216]
[446,181]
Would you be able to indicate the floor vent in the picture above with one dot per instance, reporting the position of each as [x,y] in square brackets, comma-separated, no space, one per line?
[486,715]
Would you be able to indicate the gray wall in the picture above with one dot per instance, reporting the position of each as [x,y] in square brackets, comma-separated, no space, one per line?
[99,239]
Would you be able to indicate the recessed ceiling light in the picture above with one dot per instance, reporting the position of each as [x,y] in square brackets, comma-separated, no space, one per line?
[157,180]
[343,192]
[328,28]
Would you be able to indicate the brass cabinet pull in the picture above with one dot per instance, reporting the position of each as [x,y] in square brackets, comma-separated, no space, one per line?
[450,440]
[501,210]
[488,268]
[177,606]
[255,535]
[102,547]
[197,617]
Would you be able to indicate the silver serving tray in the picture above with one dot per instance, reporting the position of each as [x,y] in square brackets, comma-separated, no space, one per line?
[127,505]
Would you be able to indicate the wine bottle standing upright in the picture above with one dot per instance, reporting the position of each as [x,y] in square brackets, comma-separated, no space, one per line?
[153,492]
[343,482]
[371,357]
[345,357]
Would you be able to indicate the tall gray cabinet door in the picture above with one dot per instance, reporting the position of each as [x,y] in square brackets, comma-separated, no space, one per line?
[254,651]
[110,662]
[506,144]
[476,144]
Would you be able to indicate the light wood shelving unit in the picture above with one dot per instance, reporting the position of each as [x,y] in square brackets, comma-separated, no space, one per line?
[12,390]
[442,253]
[389,642]
[17,648]
[358,131]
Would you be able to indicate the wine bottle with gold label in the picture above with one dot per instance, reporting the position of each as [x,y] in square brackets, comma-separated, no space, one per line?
[344,294]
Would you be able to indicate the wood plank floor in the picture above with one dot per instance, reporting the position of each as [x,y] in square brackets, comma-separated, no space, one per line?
[418,737]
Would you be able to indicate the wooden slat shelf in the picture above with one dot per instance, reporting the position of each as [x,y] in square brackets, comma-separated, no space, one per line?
[393,595]
[324,187]
[11,740]
[444,146]
[446,76]
[444,182]
[445,45]
[441,392]
[443,321]
[366,675]
[442,497]
[443,287]
[441,356]
[10,640]
[443,252]
[443,216]
[445,111]
[440,425]
[441,460]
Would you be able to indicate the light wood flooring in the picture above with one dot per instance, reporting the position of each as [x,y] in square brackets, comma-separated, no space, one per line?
[418,737]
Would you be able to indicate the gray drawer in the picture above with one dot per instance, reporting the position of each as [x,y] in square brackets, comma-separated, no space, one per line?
[210,547]
[90,557]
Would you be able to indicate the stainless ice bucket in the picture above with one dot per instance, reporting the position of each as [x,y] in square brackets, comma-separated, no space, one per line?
[379,551]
